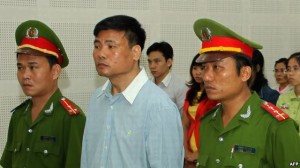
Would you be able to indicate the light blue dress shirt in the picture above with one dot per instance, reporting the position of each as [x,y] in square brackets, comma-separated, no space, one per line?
[138,128]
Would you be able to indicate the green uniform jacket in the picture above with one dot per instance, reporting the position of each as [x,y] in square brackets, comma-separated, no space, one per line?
[253,139]
[53,140]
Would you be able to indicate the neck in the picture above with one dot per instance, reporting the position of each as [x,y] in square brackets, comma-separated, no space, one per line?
[297,90]
[121,82]
[233,105]
[159,79]
[282,86]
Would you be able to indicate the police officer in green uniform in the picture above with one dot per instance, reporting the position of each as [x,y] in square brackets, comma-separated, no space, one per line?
[46,130]
[243,131]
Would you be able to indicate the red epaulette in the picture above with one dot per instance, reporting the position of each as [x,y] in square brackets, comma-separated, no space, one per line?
[69,106]
[275,111]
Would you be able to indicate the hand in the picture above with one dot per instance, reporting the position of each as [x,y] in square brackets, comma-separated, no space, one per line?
[191,156]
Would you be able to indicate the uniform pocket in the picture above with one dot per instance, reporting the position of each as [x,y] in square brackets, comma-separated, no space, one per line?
[48,154]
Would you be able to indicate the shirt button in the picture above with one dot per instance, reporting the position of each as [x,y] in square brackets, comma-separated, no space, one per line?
[221,139]
[30,130]
[108,127]
[240,165]
[27,149]
[218,161]
[45,151]
[111,107]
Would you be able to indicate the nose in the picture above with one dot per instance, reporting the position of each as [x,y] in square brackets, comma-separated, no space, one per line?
[207,74]
[98,53]
[25,73]
[151,65]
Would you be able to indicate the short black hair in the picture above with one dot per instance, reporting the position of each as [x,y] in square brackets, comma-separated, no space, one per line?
[242,61]
[163,47]
[134,32]
[281,60]
[295,55]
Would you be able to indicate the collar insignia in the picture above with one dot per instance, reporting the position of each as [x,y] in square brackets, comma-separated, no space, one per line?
[49,111]
[32,32]
[247,114]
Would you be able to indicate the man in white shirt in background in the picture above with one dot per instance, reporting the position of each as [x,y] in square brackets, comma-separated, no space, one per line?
[160,59]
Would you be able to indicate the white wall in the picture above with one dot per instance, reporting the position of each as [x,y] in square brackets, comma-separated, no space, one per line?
[273,23]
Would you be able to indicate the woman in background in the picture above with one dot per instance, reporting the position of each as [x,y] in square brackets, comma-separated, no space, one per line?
[195,106]
[290,102]
[281,76]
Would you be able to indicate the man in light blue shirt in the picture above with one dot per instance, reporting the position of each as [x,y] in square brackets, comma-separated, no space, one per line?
[130,121]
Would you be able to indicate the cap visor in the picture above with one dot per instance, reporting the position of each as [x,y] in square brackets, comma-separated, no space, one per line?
[213,56]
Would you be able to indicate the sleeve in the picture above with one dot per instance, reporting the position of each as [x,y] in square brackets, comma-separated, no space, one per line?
[284,151]
[164,142]
[180,97]
[73,140]
[6,159]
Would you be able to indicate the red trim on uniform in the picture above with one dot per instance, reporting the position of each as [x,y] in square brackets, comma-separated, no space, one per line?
[219,41]
[43,44]
[275,111]
[69,106]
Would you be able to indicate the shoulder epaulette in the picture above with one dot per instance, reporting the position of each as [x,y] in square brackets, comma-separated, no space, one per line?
[275,111]
[69,106]
[21,105]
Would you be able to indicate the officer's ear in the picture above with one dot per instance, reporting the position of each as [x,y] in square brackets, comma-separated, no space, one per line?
[245,73]
[55,71]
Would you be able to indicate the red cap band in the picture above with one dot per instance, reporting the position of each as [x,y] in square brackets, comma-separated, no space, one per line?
[43,45]
[218,41]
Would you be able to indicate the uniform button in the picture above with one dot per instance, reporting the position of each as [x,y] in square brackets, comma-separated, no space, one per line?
[240,165]
[15,150]
[218,161]
[221,139]
[27,149]
[45,151]
[30,130]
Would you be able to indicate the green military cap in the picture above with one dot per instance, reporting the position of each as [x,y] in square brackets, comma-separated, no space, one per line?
[38,36]
[216,37]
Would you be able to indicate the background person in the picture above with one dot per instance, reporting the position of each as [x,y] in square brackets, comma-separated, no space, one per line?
[281,76]
[45,130]
[131,122]
[260,83]
[195,106]
[289,102]
[160,59]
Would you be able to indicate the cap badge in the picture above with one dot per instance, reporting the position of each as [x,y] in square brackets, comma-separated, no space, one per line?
[32,32]
[205,34]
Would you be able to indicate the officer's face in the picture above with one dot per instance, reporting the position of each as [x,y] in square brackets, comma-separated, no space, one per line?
[35,75]
[158,65]
[221,79]
[113,56]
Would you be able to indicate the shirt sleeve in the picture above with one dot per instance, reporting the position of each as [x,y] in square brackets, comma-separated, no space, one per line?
[164,140]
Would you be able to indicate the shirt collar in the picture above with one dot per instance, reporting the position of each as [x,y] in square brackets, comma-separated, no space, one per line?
[133,88]
[166,81]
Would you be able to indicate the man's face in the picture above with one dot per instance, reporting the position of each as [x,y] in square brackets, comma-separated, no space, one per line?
[221,79]
[158,65]
[112,54]
[35,75]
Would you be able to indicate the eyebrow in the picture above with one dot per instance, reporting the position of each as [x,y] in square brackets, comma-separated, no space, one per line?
[105,41]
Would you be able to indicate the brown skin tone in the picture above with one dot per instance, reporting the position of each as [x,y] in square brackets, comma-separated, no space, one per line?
[158,65]
[37,80]
[222,82]
[190,155]
[280,75]
[294,75]
[115,59]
